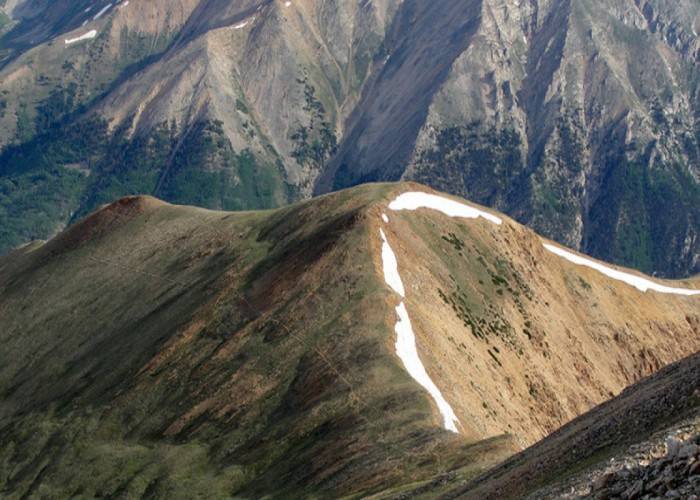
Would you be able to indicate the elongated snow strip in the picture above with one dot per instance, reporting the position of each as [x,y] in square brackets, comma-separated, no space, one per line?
[391,267]
[638,282]
[90,34]
[406,350]
[243,24]
[414,200]
[406,340]
[104,9]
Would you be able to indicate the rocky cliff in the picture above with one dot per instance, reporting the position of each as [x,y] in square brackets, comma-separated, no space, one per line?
[579,118]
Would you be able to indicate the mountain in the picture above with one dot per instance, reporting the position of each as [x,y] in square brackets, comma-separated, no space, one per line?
[354,344]
[216,103]
[579,119]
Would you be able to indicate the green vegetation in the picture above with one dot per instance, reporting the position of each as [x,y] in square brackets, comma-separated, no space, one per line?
[490,322]
[59,104]
[495,358]
[241,106]
[127,166]
[25,128]
[644,215]
[90,166]
[205,171]
[81,141]
[33,203]
[453,240]
[460,305]
[555,186]
[572,142]
[137,47]
[644,212]
[4,20]
[480,164]
[316,142]
[242,361]
[584,284]
[475,306]
[39,192]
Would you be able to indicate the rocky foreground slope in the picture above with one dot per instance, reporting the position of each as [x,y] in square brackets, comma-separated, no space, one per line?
[642,444]
[353,344]
[578,118]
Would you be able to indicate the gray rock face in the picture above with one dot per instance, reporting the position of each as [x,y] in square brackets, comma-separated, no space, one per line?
[579,118]
[674,474]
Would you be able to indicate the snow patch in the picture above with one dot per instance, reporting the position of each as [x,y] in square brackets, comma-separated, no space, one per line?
[87,36]
[638,282]
[414,200]
[406,350]
[391,267]
[385,218]
[104,9]
[243,24]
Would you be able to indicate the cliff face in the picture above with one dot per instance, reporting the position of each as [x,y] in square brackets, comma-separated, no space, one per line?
[579,118]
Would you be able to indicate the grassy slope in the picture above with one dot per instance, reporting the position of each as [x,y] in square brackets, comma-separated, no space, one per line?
[184,352]
[172,351]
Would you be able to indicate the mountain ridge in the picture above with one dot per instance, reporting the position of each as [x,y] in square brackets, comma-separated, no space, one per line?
[261,357]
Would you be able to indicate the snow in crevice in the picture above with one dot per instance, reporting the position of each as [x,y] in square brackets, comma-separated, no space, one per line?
[405,345]
[243,24]
[391,267]
[408,353]
[414,200]
[104,9]
[87,36]
[638,282]
[406,348]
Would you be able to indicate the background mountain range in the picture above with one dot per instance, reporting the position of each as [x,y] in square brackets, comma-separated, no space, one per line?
[580,118]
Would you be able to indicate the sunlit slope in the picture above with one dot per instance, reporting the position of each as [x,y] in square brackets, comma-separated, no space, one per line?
[652,409]
[316,349]
[520,339]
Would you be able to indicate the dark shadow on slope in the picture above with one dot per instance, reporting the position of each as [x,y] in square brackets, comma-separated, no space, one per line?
[421,45]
